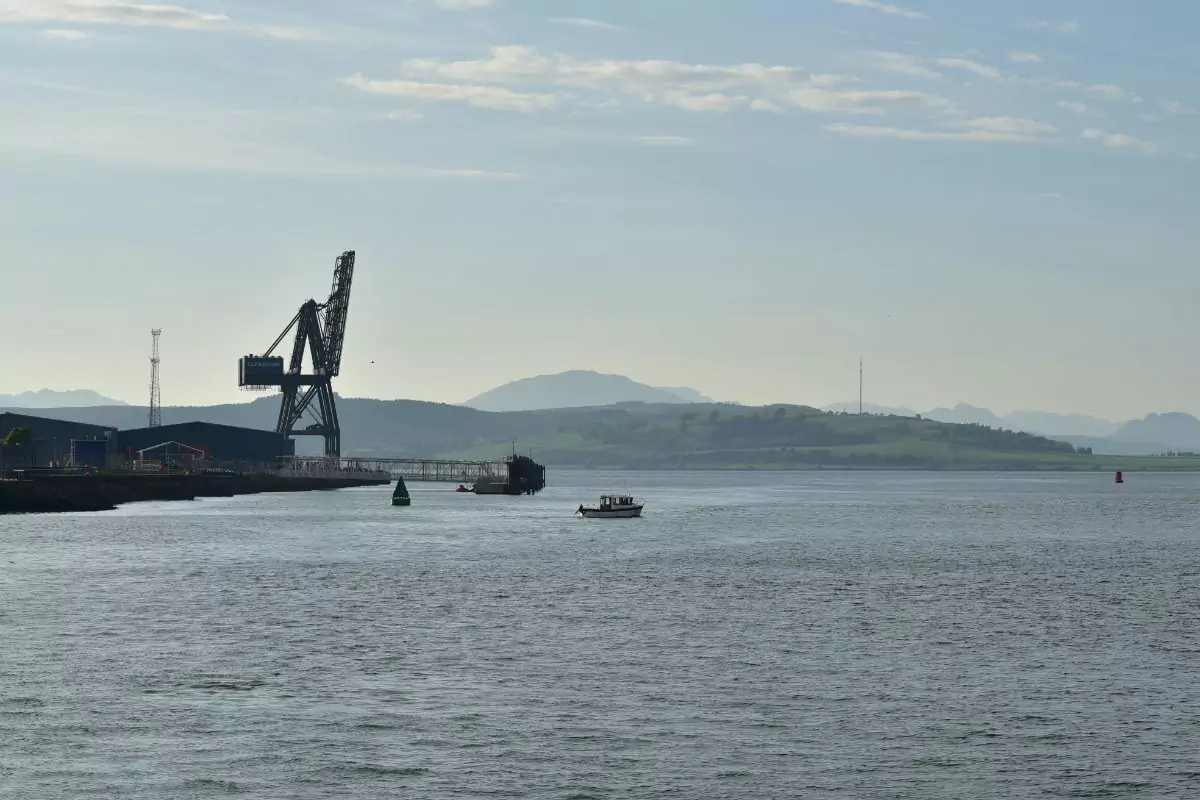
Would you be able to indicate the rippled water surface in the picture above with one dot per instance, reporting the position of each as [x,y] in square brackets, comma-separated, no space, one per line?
[756,635]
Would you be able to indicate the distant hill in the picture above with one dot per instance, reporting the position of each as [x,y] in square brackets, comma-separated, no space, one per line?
[1043,423]
[577,389]
[869,408]
[963,414]
[649,436]
[1176,431]
[687,395]
[1106,445]
[49,398]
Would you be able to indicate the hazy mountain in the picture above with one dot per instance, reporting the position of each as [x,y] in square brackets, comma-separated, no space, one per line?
[963,414]
[1107,446]
[1044,423]
[49,398]
[687,395]
[869,408]
[1176,431]
[576,389]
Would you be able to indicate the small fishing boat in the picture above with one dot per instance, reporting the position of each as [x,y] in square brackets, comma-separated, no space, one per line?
[400,495]
[613,506]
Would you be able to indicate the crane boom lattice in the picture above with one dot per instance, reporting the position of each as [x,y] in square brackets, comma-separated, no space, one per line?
[320,330]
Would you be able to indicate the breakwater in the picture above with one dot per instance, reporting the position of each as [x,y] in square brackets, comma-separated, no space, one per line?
[62,493]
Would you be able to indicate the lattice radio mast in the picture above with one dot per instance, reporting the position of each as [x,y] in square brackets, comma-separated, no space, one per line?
[155,389]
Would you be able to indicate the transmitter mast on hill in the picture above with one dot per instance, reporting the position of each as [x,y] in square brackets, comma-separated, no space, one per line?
[321,329]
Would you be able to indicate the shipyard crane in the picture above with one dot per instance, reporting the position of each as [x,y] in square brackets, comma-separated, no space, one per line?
[321,329]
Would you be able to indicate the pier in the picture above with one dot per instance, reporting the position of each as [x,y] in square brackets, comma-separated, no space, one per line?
[417,470]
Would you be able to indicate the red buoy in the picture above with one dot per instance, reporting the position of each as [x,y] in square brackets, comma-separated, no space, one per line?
[1120,478]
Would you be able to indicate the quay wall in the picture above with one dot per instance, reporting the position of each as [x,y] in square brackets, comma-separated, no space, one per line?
[104,492]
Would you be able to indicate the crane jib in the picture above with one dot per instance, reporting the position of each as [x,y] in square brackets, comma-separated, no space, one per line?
[320,329]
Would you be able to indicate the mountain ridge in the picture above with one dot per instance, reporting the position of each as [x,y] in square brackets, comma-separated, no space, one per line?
[56,398]
[577,389]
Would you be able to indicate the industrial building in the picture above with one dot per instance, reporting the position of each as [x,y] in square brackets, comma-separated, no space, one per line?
[56,443]
[222,444]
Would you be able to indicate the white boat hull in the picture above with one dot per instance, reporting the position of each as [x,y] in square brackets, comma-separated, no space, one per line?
[616,513]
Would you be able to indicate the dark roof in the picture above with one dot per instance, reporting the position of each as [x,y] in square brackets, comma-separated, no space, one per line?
[9,420]
[196,426]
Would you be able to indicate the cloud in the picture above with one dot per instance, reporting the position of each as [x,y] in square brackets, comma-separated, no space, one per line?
[1004,130]
[1119,141]
[915,66]
[1177,109]
[1025,58]
[1012,125]
[1072,27]
[463,5]
[70,34]
[664,141]
[1075,107]
[491,97]
[582,22]
[886,8]
[867,102]
[1107,91]
[693,87]
[901,64]
[136,15]
[982,70]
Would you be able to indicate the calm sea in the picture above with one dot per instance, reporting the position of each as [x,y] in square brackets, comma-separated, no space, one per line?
[755,636]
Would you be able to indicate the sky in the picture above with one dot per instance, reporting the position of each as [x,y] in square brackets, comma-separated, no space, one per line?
[990,202]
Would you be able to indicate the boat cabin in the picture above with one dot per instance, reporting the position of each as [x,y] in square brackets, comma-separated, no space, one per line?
[610,501]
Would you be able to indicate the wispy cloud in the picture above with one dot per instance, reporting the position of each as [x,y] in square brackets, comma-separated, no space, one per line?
[918,67]
[1107,91]
[664,141]
[1075,107]
[463,5]
[137,15]
[69,34]
[693,87]
[1119,141]
[1072,27]
[1012,125]
[491,97]
[996,130]
[901,64]
[982,70]
[583,22]
[1177,109]
[886,8]
[1025,58]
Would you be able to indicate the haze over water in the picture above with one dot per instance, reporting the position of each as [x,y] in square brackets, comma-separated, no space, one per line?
[756,635]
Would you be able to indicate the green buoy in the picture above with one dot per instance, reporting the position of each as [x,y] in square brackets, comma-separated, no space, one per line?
[400,496]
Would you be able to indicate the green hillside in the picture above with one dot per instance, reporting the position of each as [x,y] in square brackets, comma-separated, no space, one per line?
[791,437]
[667,436]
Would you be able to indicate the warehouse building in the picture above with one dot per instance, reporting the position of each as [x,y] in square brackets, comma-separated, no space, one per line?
[56,443]
[221,444]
